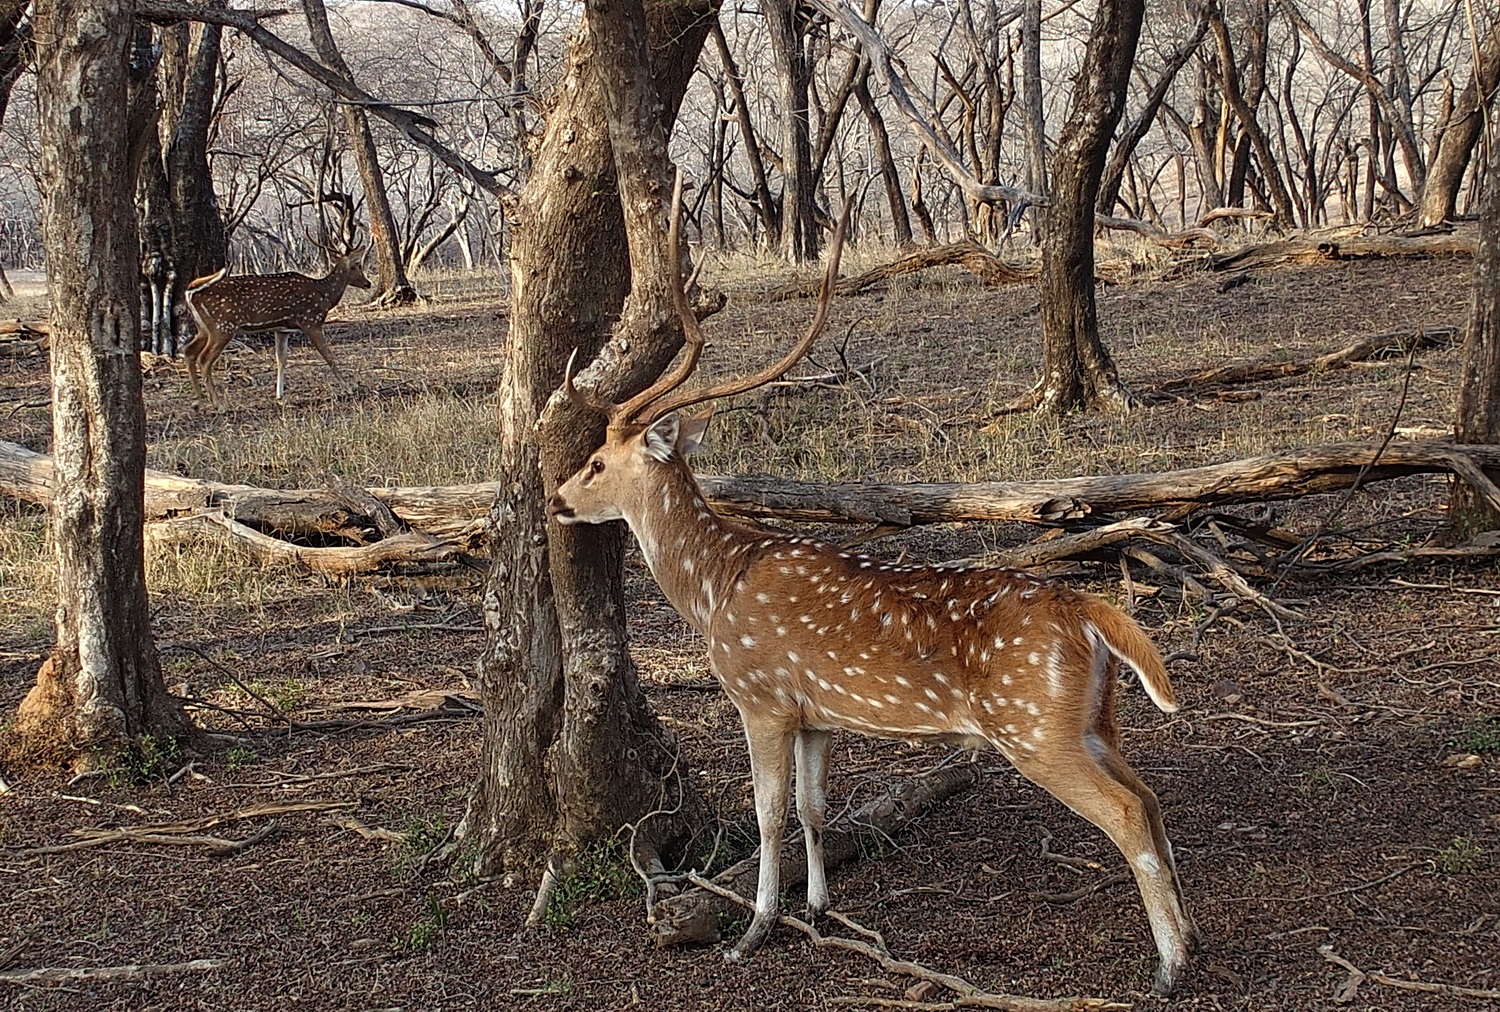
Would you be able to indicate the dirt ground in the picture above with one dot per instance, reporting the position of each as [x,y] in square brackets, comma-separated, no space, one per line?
[1331,785]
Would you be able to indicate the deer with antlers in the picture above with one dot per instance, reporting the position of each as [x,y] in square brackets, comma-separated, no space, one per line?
[224,306]
[806,638]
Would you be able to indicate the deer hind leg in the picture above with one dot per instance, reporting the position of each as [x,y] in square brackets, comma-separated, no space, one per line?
[1082,774]
[770,771]
[201,353]
[813,748]
[280,343]
[1108,734]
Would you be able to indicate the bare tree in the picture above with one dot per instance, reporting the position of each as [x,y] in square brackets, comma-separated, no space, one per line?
[395,289]
[1479,387]
[101,689]
[571,750]
[1460,131]
[799,226]
[1077,371]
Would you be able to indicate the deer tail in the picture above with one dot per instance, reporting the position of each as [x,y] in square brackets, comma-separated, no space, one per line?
[198,284]
[1118,633]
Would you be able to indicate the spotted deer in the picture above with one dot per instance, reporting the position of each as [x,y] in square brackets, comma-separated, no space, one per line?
[806,638]
[224,306]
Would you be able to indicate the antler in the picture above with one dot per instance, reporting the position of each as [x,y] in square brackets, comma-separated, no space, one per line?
[654,402]
[728,388]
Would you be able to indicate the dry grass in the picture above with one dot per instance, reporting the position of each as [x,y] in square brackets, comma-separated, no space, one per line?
[949,350]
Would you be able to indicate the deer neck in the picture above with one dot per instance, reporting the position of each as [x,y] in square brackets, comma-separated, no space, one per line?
[695,555]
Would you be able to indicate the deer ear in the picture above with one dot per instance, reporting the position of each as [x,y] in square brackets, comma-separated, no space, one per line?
[690,434]
[661,438]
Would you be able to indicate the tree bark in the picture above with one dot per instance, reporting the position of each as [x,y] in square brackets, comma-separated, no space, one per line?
[1031,85]
[1446,174]
[395,288]
[799,226]
[1114,172]
[101,689]
[571,750]
[1479,385]
[900,221]
[1077,371]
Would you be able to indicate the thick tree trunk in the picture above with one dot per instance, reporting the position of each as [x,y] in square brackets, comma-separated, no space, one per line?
[571,750]
[799,226]
[1479,386]
[199,245]
[1446,174]
[1077,371]
[14,37]
[395,289]
[101,689]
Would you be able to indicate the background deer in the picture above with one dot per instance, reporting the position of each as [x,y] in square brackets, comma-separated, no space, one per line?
[225,306]
[806,638]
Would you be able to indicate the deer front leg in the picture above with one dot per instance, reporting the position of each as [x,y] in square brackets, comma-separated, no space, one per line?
[314,332]
[812,804]
[770,770]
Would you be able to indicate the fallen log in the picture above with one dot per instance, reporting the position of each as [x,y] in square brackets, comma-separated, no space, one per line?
[1145,229]
[457,512]
[692,917]
[967,254]
[1374,346]
[1305,249]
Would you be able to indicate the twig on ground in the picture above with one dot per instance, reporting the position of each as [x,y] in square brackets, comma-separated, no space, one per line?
[1361,887]
[130,972]
[186,833]
[1114,878]
[1347,990]
[970,996]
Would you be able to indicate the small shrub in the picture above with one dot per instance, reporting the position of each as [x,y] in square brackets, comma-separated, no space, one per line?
[1480,736]
[1460,857]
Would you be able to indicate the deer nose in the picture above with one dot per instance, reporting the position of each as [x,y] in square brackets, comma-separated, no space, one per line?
[557,506]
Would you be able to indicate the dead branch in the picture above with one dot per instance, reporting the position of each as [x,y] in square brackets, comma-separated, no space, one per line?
[445,511]
[692,917]
[966,253]
[1346,992]
[1303,249]
[130,972]
[1232,212]
[970,996]
[409,549]
[187,834]
[1375,346]
[1172,240]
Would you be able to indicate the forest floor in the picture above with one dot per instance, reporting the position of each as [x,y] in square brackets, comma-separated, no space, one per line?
[1331,785]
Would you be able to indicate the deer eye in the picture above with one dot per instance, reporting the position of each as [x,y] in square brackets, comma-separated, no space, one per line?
[596,466]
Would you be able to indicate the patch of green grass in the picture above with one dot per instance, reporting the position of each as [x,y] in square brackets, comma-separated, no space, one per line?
[1460,857]
[1480,736]
[599,874]
[149,757]
[430,927]
[286,694]
[240,756]
[422,834]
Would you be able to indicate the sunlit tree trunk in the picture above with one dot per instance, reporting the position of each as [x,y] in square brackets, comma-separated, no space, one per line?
[571,749]
[1479,386]
[101,689]
[395,289]
[1077,371]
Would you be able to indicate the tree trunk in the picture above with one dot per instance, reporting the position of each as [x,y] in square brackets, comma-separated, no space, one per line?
[766,207]
[1114,173]
[101,689]
[900,221]
[1077,371]
[1031,84]
[199,245]
[1479,386]
[395,289]
[15,35]
[799,226]
[1456,146]
[571,751]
